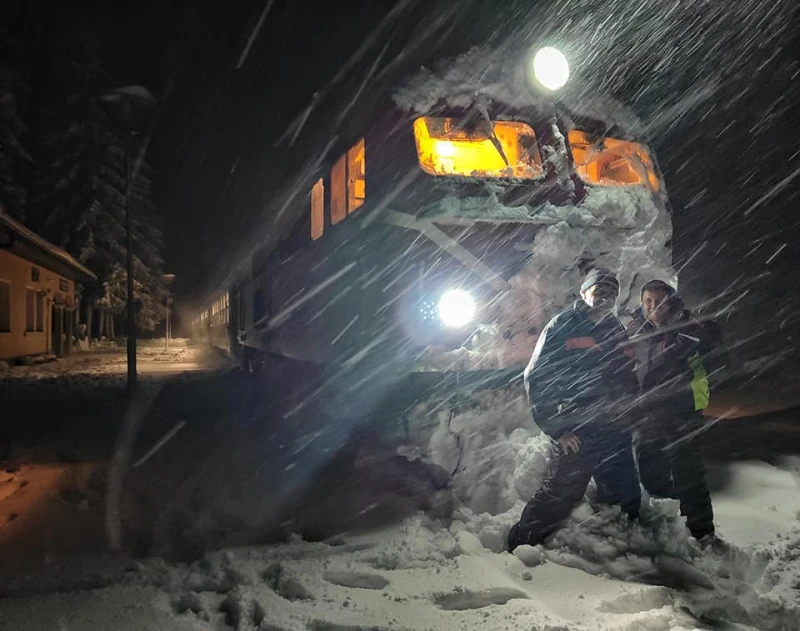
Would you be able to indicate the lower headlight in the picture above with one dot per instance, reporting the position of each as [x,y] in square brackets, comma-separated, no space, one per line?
[456,308]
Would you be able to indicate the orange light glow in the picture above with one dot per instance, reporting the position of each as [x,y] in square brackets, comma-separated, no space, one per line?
[444,149]
[610,161]
[317,209]
[356,177]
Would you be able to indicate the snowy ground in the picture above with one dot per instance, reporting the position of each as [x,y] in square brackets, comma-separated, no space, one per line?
[58,423]
[439,563]
[393,548]
[71,406]
[110,360]
[421,574]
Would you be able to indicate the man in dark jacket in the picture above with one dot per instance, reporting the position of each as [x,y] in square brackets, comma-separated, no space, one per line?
[678,357]
[580,384]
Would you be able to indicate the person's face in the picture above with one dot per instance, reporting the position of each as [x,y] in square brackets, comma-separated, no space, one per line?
[656,306]
[601,296]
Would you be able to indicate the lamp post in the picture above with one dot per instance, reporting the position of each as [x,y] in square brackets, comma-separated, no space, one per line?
[131,108]
[167,278]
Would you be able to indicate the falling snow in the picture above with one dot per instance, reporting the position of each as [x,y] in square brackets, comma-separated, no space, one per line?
[714,85]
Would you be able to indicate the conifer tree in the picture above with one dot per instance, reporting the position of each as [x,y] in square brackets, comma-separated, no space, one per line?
[13,194]
[83,189]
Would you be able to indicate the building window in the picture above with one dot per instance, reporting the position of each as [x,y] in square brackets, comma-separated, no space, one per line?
[339,190]
[356,177]
[34,311]
[317,210]
[30,310]
[39,312]
[63,285]
[34,274]
[5,307]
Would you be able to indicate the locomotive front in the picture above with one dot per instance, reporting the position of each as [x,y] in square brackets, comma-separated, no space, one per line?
[521,186]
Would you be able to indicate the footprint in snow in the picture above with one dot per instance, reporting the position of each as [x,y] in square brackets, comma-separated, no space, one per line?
[242,612]
[639,601]
[322,625]
[467,599]
[360,580]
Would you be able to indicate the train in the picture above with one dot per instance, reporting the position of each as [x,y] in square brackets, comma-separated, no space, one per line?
[445,229]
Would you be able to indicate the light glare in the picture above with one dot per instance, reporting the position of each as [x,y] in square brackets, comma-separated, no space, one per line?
[550,67]
[445,148]
[456,308]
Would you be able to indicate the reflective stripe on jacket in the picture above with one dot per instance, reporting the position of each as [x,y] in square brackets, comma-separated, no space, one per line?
[676,367]
[699,383]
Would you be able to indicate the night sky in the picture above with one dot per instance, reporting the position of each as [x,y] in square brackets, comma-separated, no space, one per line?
[718,83]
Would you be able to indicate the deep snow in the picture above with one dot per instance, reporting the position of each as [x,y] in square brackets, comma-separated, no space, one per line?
[445,569]
[597,573]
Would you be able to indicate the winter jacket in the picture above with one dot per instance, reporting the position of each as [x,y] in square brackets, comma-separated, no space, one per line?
[679,363]
[578,365]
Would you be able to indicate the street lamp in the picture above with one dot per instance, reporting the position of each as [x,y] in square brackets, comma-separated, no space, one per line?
[131,108]
[167,278]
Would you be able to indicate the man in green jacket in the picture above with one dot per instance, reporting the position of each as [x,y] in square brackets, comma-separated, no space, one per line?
[678,358]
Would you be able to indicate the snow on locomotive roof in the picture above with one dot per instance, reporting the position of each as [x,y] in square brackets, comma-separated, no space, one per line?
[501,75]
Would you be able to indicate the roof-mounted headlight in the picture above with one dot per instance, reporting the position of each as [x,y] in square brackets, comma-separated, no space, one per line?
[550,68]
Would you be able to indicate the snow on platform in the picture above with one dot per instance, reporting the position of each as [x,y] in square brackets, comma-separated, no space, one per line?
[109,360]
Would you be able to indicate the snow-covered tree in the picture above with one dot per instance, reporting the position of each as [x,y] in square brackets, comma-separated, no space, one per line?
[13,194]
[149,287]
[83,186]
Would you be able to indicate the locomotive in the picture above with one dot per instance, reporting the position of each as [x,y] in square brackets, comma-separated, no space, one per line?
[446,229]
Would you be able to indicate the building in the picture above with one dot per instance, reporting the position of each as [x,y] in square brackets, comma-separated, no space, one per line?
[37,292]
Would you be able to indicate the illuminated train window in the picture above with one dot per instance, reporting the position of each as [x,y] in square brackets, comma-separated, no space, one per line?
[507,150]
[317,209]
[610,161]
[356,177]
[348,183]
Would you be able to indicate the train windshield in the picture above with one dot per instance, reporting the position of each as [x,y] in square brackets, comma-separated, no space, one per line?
[611,161]
[506,149]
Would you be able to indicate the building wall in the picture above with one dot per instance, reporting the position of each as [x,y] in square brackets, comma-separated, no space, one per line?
[25,310]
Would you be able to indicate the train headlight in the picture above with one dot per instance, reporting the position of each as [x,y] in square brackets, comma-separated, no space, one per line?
[550,68]
[456,308]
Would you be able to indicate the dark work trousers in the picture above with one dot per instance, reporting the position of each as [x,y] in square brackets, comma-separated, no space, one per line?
[671,465]
[606,455]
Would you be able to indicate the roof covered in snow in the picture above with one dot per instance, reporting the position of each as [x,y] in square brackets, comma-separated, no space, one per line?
[49,254]
[504,75]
